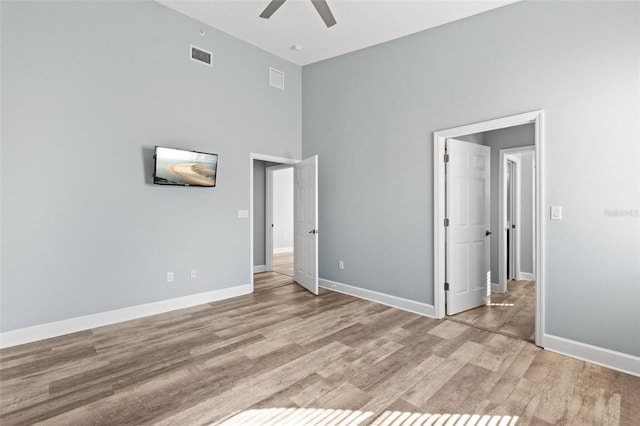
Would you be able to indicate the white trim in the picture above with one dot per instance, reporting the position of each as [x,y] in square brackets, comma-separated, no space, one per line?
[525,276]
[517,189]
[268,219]
[439,137]
[540,228]
[259,268]
[439,301]
[283,250]
[374,296]
[73,325]
[504,155]
[259,157]
[596,355]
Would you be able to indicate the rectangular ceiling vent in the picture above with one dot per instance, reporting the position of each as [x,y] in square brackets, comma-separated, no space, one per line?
[200,55]
[276,78]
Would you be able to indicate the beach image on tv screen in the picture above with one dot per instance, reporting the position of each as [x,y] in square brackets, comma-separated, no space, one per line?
[178,167]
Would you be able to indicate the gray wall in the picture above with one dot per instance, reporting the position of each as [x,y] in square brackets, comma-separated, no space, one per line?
[511,137]
[476,138]
[526,212]
[283,208]
[88,89]
[370,116]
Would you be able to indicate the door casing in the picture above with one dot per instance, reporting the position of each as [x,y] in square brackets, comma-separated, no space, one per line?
[506,155]
[439,137]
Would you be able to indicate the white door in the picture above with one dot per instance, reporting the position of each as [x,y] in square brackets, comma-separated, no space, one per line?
[467,235]
[305,229]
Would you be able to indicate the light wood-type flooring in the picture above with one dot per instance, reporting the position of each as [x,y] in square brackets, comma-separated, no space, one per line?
[512,313]
[283,263]
[283,356]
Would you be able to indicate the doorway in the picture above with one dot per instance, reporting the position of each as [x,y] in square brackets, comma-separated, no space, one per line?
[305,217]
[259,163]
[517,216]
[440,214]
[279,219]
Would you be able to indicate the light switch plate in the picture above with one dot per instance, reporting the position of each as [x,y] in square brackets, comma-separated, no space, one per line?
[556,212]
[243,214]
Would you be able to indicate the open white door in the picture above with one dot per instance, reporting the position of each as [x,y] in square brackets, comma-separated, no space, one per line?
[467,235]
[305,228]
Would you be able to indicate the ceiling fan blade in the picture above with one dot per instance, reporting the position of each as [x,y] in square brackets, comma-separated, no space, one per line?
[271,7]
[325,13]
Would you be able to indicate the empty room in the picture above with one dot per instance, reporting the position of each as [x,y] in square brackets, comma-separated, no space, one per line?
[375,212]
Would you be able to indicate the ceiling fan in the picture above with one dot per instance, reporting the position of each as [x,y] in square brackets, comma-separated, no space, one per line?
[321,6]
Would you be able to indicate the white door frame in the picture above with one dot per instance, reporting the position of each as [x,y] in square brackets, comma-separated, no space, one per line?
[271,159]
[534,117]
[268,214]
[513,254]
[505,155]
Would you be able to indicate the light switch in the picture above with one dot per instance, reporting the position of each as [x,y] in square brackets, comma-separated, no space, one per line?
[243,214]
[556,212]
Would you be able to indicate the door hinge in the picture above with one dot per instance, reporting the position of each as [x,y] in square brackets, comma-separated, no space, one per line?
[446,222]
[446,158]
[446,286]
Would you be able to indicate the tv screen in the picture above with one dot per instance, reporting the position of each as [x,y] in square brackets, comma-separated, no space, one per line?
[186,168]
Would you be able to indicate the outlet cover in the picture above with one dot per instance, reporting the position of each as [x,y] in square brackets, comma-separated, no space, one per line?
[556,212]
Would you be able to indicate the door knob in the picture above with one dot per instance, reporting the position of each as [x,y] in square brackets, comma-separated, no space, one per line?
[487,233]
[313,231]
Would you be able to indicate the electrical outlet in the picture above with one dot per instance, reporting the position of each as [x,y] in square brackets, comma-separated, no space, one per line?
[169,277]
[194,273]
[340,264]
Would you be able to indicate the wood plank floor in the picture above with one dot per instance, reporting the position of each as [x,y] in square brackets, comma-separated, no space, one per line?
[283,263]
[284,356]
[512,313]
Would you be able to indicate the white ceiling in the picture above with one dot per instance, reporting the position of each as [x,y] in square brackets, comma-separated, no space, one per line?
[360,23]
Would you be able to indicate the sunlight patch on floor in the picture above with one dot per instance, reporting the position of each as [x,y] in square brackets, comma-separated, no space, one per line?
[399,418]
[296,416]
[330,417]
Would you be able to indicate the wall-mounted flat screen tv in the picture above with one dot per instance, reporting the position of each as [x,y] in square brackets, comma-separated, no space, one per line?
[186,168]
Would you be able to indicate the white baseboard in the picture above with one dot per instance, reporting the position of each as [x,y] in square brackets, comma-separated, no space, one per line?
[495,288]
[72,325]
[525,276]
[259,268]
[607,358]
[283,250]
[384,299]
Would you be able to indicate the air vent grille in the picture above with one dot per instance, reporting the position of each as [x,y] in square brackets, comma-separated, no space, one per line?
[276,78]
[200,55]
